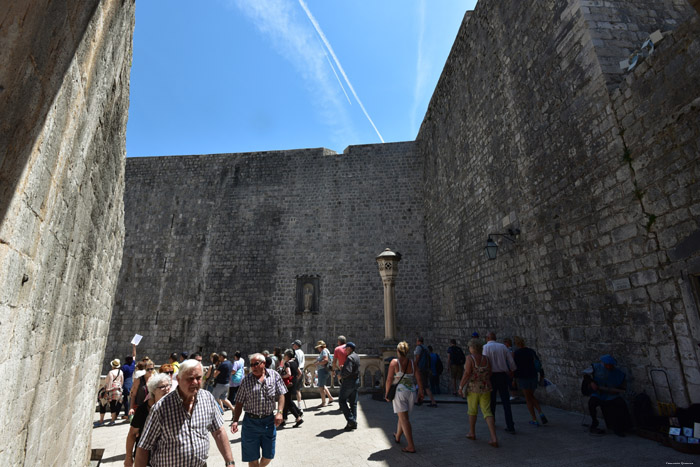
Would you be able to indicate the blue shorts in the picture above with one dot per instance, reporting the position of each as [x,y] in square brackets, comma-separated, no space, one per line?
[527,383]
[258,433]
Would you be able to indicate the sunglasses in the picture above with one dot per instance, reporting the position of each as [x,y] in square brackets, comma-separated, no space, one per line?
[150,369]
[253,365]
[169,372]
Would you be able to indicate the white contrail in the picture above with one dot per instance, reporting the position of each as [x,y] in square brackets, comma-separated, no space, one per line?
[421,68]
[336,75]
[281,22]
[337,63]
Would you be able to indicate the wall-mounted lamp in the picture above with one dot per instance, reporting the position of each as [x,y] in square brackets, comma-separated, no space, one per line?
[492,246]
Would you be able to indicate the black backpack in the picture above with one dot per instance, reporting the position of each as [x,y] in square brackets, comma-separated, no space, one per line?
[438,366]
[458,357]
[586,388]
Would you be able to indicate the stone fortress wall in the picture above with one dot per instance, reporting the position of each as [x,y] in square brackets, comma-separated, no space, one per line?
[214,244]
[64,97]
[534,126]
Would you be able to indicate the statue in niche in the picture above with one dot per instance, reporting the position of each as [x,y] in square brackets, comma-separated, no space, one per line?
[308,292]
[308,297]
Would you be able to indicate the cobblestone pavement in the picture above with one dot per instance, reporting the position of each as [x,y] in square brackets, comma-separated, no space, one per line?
[440,440]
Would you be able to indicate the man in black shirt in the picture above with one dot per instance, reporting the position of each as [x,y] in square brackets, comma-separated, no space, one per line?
[349,383]
[222,378]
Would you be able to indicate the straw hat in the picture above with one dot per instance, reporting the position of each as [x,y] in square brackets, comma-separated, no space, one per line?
[319,344]
[116,363]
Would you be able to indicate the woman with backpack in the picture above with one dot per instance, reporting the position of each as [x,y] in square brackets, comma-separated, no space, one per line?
[290,377]
[112,392]
[528,367]
[476,387]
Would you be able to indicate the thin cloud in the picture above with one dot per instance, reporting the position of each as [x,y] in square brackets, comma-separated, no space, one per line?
[280,22]
[317,27]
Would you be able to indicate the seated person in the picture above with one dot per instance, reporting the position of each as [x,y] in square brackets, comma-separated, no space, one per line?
[608,383]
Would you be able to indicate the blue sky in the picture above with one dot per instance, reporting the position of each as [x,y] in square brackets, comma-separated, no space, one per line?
[226,76]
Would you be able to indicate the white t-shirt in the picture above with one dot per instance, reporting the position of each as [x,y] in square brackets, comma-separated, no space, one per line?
[300,358]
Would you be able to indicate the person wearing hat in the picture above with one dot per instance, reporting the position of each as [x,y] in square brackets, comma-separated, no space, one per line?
[323,366]
[349,383]
[113,388]
[608,385]
[299,355]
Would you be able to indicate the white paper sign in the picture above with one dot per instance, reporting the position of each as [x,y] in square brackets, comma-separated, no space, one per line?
[137,338]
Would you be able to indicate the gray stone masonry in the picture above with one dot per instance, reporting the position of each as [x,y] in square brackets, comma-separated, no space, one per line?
[64,96]
[214,244]
[527,130]
[532,126]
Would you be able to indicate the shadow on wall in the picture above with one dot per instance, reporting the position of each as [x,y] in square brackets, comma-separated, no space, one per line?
[35,58]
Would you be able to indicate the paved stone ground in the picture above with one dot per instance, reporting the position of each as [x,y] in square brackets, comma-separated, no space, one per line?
[440,440]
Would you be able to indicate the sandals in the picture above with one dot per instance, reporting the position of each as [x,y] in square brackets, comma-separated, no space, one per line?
[408,451]
[398,441]
[493,444]
[471,437]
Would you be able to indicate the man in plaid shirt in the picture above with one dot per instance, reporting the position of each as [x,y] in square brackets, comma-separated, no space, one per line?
[178,426]
[257,395]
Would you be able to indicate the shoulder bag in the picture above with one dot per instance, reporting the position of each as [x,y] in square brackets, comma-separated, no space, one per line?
[391,394]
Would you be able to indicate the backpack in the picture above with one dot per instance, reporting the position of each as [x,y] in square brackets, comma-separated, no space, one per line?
[438,366]
[424,361]
[458,357]
[538,364]
[586,388]
[114,392]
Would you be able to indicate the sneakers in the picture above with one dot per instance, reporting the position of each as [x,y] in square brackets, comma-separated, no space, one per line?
[350,426]
[534,423]
[544,419]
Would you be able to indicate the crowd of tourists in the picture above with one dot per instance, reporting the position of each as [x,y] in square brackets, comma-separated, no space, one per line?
[173,409]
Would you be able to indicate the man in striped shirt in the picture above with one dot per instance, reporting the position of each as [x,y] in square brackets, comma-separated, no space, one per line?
[257,395]
[178,426]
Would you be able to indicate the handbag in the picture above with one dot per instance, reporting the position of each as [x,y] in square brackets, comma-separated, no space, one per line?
[391,393]
[237,376]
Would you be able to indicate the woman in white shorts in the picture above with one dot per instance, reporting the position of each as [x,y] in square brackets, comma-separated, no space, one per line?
[401,371]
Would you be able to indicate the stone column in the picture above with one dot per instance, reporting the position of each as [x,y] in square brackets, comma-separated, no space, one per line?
[388,263]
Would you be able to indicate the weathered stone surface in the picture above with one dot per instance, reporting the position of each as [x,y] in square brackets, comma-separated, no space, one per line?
[533,126]
[532,116]
[64,88]
[214,244]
